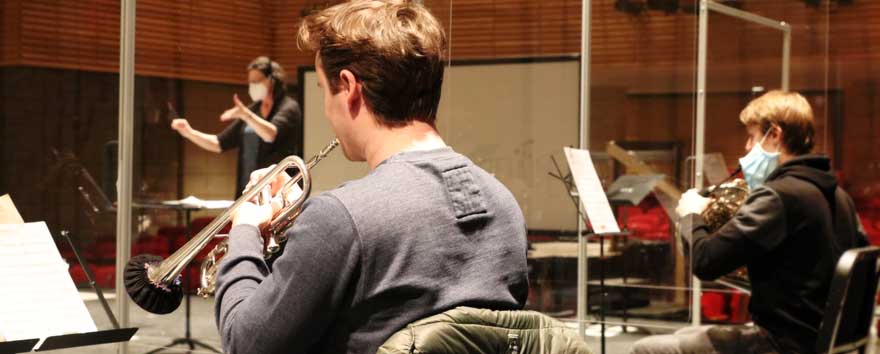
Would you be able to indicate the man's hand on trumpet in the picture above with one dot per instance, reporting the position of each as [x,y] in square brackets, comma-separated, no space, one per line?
[260,213]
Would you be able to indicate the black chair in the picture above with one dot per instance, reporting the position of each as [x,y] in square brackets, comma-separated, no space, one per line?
[850,309]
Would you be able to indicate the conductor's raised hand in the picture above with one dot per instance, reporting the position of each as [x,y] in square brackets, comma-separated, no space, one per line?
[239,111]
[181,126]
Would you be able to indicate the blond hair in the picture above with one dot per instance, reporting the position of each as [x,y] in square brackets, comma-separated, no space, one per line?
[788,110]
[394,48]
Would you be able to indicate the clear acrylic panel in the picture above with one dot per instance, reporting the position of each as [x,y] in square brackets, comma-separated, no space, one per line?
[510,102]
[733,79]
[58,121]
[191,59]
[850,107]
[644,98]
[642,121]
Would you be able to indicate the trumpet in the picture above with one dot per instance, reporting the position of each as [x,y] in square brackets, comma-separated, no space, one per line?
[154,284]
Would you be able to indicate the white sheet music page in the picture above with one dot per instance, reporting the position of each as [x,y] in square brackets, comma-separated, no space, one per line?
[196,203]
[590,191]
[38,298]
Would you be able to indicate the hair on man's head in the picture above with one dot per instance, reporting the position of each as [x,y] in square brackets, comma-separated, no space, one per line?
[394,48]
[788,110]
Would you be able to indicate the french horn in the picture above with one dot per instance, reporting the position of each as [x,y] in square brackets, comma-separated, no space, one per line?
[725,201]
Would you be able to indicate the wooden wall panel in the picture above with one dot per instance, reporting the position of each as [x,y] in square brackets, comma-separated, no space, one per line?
[199,40]
[203,40]
[214,40]
[509,28]
[855,32]
[79,35]
[9,32]
[288,15]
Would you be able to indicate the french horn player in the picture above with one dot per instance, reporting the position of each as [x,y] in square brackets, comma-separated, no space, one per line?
[793,225]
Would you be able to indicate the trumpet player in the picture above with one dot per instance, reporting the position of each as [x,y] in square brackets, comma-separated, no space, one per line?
[424,231]
[789,233]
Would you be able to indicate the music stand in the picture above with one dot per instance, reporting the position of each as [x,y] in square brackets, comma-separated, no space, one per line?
[628,188]
[187,339]
[75,339]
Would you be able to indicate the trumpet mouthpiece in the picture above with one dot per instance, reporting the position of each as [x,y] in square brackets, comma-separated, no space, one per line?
[154,298]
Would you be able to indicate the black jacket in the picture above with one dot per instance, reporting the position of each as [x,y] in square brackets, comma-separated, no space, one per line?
[790,233]
[286,116]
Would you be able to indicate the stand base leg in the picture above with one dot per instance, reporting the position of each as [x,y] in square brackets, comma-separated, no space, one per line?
[193,343]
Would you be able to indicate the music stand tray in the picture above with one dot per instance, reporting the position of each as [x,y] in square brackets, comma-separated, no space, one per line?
[84,339]
[68,341]
[18,346]
[632,189]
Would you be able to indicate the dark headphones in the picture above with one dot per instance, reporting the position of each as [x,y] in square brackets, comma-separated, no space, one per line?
[267,72]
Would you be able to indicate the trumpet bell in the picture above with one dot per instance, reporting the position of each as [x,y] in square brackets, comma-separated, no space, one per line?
[154,298]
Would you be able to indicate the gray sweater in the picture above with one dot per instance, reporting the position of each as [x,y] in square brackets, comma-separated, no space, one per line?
[423,232]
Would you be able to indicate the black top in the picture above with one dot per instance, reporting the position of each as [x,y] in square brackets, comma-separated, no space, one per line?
[247,153]
[790,233]
[286,116]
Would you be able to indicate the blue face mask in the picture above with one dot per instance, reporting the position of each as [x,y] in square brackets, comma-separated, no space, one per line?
[758,164]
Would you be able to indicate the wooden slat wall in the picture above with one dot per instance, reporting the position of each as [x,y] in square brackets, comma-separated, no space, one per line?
[855,32]
[202,40]
[288,16]
[518,28]
[214,40]
[78,35]
[509,28]
[9,30]
[199,40]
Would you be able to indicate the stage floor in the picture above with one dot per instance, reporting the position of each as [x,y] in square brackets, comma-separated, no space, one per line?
[157,332]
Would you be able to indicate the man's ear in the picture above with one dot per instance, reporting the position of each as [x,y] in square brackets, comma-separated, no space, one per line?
[776,134]
[352,89]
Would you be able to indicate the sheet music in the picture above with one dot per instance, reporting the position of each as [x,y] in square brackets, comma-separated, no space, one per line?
[8,212]
[590,191]
[38,297]
[196,203]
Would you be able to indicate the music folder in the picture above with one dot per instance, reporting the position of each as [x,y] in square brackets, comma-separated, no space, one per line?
[632,189]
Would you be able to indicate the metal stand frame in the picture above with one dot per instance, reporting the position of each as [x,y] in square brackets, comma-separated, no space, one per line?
[187,338]
[583,143]
[125,153]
